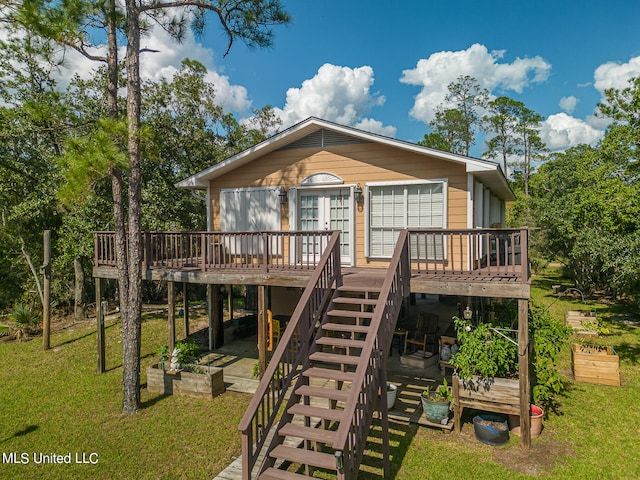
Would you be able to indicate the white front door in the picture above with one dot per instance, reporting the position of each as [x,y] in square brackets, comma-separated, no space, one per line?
[326,210]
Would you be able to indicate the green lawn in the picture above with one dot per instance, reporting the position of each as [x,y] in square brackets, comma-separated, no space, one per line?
[54,402]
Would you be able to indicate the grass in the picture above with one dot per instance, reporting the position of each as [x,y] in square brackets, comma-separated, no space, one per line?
[54,401]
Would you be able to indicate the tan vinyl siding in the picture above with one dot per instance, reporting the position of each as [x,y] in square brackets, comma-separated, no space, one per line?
[360,163]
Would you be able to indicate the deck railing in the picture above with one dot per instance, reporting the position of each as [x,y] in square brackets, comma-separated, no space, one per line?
[462,252]
[487,251]
[206,251]
[289,356]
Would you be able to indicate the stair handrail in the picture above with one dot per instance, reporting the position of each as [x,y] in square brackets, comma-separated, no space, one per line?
[349,435]
[289,355]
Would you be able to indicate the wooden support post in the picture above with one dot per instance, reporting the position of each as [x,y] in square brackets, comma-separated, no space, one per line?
[230,300]
[171,299]
[185,307]
[210,302]
[523,369]
[218,325]
[100,313]
[262,329]
[46,297]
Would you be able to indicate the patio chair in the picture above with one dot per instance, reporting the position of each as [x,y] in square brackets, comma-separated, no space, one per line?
[274,331]
[425,333]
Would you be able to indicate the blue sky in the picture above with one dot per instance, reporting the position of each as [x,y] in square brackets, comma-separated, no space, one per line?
[384,66]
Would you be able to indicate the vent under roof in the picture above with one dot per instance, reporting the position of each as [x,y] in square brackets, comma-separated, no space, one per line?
[324,138]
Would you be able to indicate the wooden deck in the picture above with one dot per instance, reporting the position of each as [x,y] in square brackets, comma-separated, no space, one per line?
[478,262]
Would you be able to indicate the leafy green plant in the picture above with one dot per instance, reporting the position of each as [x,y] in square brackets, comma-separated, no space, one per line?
[441,394]
[547,335]
[188,352]
[24,318]
[483,352]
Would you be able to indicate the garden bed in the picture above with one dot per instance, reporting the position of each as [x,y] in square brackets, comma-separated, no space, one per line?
[595,364]
[582,323]
[208,384]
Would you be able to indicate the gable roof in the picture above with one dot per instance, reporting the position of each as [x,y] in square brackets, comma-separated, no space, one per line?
[317,132]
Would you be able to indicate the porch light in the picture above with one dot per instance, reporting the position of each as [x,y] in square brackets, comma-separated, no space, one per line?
[358,193]
[283,196]
[467,314]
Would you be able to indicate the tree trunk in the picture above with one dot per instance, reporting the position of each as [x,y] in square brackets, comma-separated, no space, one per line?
[132,321]
[79,313]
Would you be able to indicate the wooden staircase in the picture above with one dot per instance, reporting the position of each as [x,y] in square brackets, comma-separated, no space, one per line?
[328,377]
[339,383]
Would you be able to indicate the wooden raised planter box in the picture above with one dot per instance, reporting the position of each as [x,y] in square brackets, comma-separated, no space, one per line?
[500,395]
[594,364]
[582,323]
[208,384]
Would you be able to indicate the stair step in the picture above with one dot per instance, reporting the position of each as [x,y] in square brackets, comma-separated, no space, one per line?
[356,300]
[329,393]
[317,412]
[329,374]
[359,288]
[334,358]
[273,473]
[349,314]
[340,342]
[345,327]
[304,457]
[308,433]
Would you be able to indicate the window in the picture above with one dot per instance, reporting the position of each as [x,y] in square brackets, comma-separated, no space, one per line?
[393,207]
[249,209]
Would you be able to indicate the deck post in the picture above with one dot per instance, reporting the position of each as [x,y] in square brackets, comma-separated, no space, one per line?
[216,327]
[100,312]
[262,329]
[210,289]
[185,307]
[523,369]
[171,299]
[230,301]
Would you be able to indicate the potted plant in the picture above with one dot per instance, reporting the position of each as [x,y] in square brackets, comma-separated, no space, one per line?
[436,403]
[392,392]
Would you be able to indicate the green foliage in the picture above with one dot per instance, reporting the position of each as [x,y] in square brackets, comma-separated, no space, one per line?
[457,119]
[441,394]
[23,315]
[189,351]
[548,336]
[25,318]
[483,352]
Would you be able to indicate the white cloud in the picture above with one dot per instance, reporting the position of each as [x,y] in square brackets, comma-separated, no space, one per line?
[164,62]
[561,131]
[339,94]
[375,126]
[616,75]
[435,73]
[568,104]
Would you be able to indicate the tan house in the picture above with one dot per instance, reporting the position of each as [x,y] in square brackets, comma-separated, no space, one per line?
[319,175]
[337,227]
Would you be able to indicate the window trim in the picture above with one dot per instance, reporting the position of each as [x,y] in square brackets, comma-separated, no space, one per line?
[367,208]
